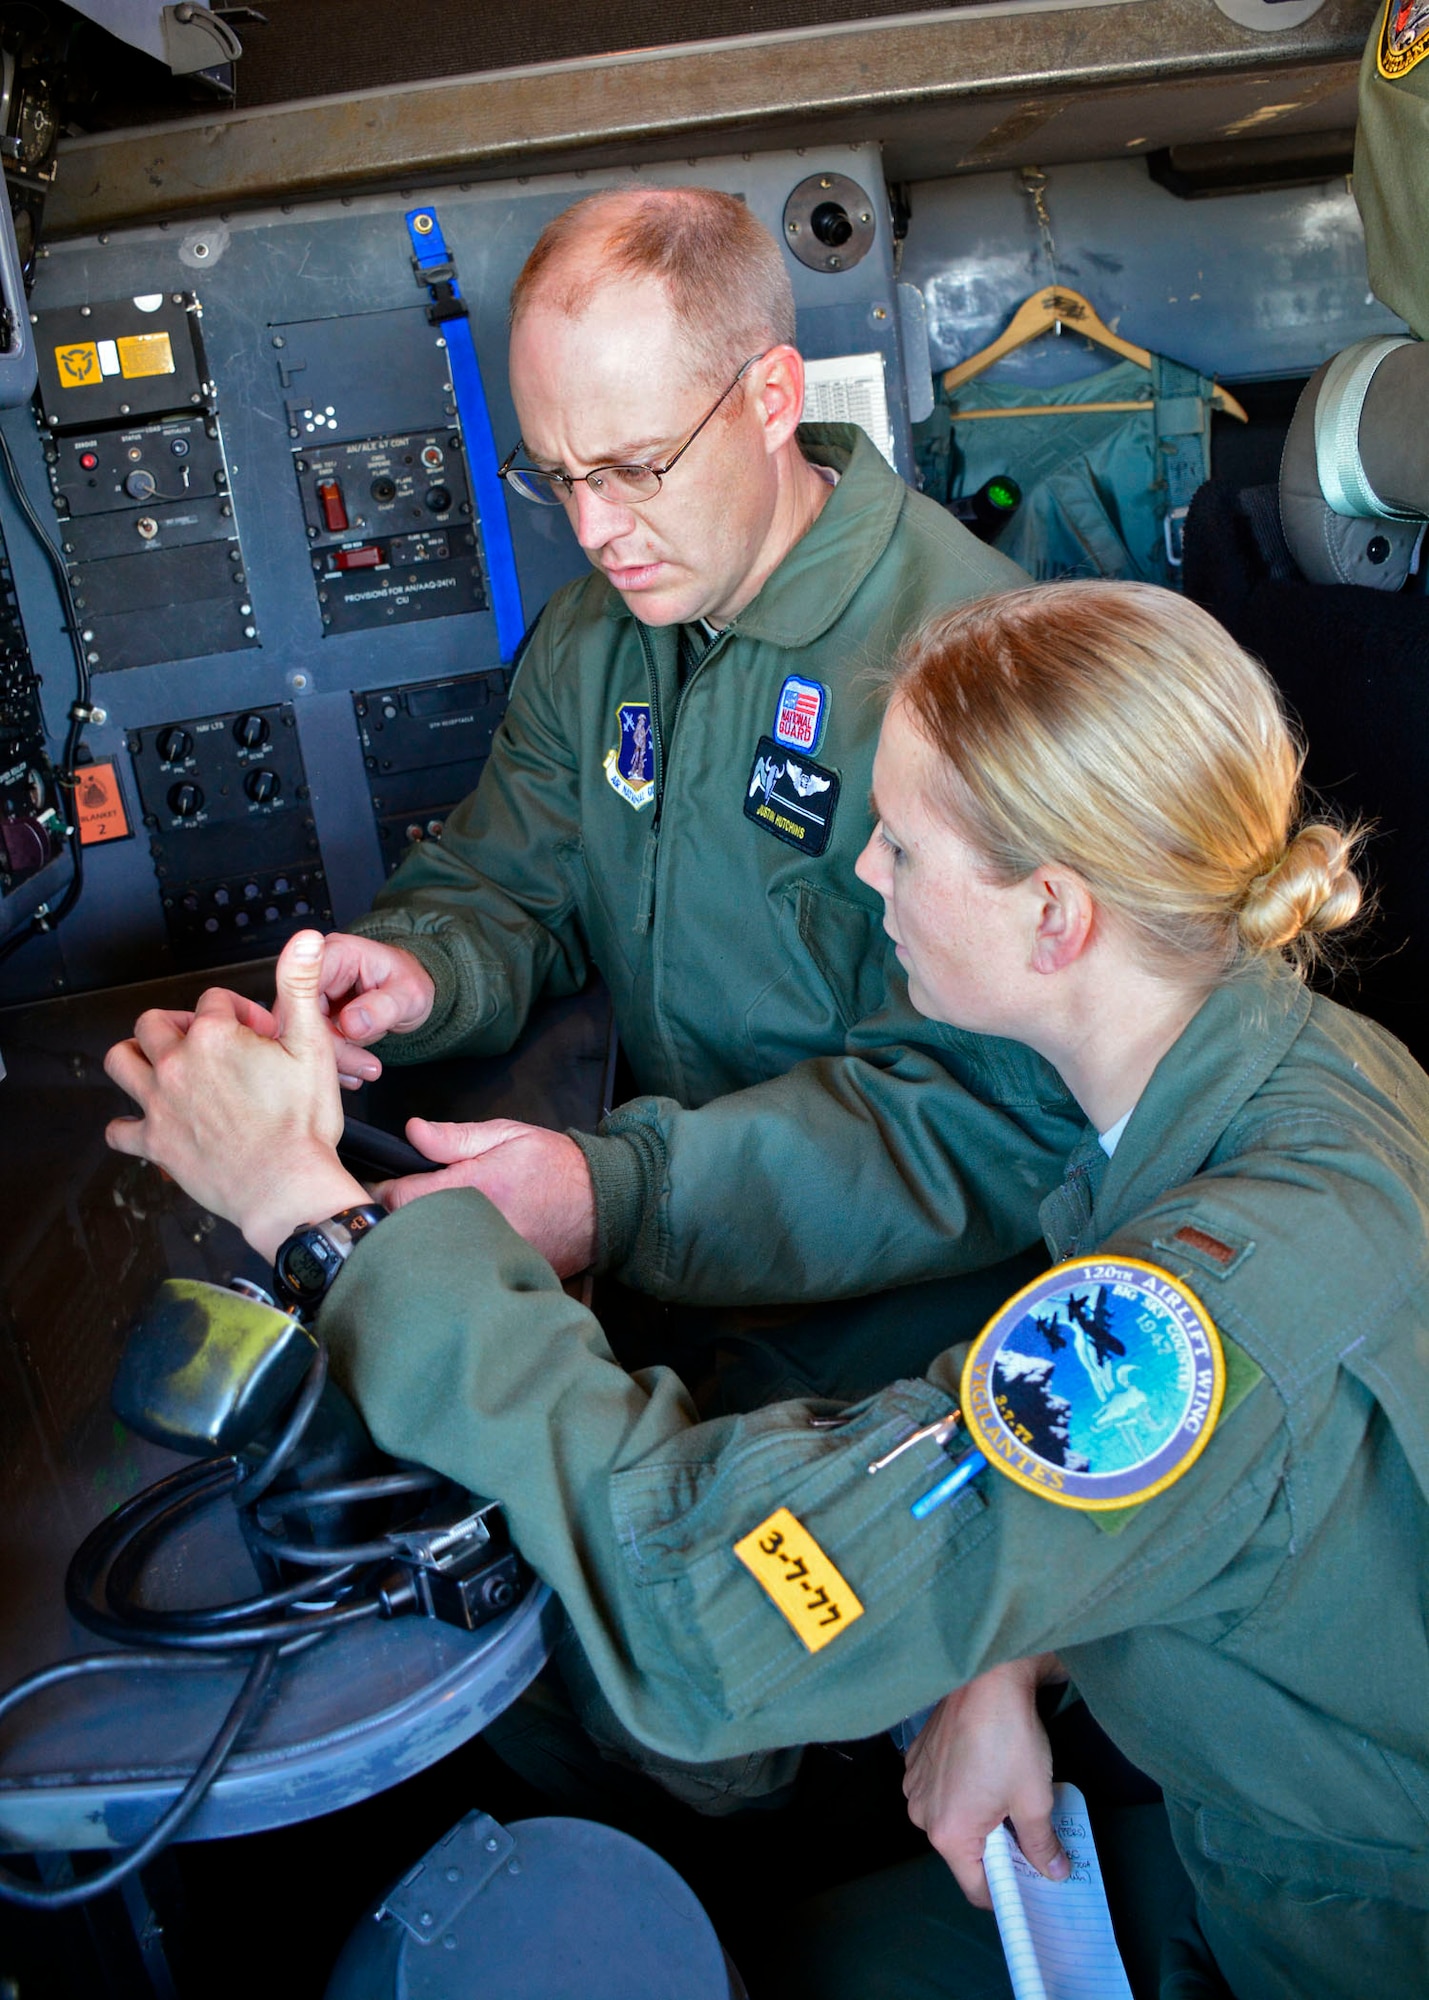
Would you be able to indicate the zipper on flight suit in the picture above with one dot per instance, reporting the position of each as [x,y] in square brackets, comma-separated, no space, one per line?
[645,910]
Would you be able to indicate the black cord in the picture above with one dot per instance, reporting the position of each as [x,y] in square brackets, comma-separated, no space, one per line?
[38,925]
[159,1508]
[105,1570]
[288,1439]
[31,1896]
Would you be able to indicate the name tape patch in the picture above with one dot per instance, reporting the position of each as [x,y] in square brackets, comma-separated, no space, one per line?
[799,1579]
[630,763]
[1097,1386]
[801,714]
[791,797]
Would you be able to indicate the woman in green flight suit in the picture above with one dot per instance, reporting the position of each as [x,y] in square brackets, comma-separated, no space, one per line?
[1086,841]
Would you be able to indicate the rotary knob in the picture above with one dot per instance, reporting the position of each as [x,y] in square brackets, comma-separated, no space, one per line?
[185,800]
[251,731]
[262,786]
[174,745]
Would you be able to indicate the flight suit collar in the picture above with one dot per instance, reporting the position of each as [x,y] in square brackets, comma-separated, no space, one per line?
[1222,1057]
[821,575]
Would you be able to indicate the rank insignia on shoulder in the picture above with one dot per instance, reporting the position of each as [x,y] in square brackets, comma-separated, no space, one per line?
[791,797]
[1098,1385]
[793,1571]
[630,764]
[801,714]
[1403,37]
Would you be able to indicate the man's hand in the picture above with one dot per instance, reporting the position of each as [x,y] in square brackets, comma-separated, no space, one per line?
[240,1106]
[982,1757]
[538,1179]
[370,990]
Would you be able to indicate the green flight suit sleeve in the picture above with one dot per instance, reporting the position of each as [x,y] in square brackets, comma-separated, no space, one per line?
[462,1350]
[921,1152]
[490,909]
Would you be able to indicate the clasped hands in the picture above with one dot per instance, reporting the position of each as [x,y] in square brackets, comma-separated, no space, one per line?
[241,1104]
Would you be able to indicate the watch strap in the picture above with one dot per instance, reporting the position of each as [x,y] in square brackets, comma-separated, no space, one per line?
[327,1247]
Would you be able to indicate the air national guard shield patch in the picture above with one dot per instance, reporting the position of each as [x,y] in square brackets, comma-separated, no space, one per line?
[1097,1386]
[1403,37]
[630,765]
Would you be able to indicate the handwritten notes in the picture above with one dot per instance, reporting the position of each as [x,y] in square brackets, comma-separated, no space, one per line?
[1057,1935]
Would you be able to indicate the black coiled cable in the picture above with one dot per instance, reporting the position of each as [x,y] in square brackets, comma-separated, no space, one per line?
[100,1591]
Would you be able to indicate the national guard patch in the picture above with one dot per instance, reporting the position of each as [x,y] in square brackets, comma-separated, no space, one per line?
[791,797]
[801,714]
[1098,1385]
[1403,37]
[630,765]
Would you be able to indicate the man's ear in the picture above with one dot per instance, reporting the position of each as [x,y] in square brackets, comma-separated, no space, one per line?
[1064,916]
[778,386]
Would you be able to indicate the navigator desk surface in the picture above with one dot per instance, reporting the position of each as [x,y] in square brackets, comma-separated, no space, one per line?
[85,1236]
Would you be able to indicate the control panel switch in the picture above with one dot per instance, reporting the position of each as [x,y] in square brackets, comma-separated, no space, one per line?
[333,506]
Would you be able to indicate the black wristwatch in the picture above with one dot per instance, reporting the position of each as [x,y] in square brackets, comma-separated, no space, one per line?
[309,1260]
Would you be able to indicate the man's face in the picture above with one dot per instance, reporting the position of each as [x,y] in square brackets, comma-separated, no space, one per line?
[618,385]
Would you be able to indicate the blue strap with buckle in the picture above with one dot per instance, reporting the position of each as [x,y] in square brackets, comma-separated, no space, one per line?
[433,267]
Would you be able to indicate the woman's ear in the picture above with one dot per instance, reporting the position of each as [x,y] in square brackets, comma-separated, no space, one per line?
[1064,916]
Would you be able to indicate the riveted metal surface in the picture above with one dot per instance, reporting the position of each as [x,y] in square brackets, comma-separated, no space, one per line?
[934,88]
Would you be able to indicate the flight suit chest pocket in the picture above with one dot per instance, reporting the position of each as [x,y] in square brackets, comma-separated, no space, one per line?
[831,976]
[847,943]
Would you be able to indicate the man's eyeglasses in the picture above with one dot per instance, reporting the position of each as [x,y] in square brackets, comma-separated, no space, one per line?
[619,485]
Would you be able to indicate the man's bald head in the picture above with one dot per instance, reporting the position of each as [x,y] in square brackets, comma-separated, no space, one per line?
[721,270]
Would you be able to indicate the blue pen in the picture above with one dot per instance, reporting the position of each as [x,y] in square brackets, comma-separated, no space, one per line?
[965,1469]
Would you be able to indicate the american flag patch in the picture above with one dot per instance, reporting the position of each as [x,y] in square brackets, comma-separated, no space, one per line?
[799,719]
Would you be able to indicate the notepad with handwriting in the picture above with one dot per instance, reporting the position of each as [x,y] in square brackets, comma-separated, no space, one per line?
[1057,1935]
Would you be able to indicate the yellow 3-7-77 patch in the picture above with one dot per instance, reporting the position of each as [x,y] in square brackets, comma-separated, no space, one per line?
[788,1564]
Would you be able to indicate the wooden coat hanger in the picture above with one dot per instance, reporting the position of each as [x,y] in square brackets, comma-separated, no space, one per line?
[1058,306]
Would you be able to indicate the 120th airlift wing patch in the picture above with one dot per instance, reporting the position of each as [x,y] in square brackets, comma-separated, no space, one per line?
[1098,1385]
[788,1564]
[1403,37]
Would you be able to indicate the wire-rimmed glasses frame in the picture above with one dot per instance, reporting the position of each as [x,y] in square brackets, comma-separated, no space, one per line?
[617,485]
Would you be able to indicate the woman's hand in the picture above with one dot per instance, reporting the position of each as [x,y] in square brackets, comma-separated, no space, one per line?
[241,1108]
[982,1757]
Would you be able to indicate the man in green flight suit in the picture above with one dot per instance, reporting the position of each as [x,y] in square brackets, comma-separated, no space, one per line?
[677,795]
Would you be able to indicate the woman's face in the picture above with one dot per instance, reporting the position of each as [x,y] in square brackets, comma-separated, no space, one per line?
[964,943]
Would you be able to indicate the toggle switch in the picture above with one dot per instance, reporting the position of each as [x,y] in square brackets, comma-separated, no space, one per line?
[334,509]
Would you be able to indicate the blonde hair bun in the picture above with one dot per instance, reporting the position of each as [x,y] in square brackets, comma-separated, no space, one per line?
[1310,891]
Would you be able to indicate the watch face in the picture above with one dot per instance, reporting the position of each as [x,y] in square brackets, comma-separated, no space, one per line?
[306,1268]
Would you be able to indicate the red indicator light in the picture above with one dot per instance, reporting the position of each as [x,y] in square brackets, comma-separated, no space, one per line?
[89,459]
[330,499]
[367,557]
